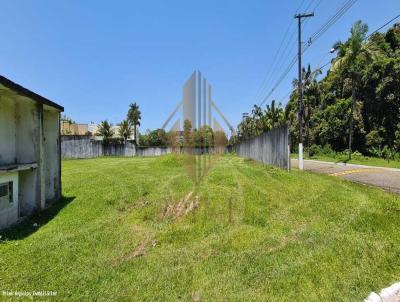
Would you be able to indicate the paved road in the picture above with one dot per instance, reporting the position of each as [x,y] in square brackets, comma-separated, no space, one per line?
[385,178]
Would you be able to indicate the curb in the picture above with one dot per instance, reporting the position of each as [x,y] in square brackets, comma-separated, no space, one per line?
[388,294]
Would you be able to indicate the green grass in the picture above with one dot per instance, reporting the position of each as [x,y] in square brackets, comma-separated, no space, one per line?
[259,234]
[358,160]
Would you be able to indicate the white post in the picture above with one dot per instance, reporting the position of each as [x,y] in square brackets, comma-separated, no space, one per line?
[301,163]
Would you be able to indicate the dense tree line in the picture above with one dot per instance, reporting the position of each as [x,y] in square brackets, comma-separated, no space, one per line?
[355,106]
[260,121]
[205,137]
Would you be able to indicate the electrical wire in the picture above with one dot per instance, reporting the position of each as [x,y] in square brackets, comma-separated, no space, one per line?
[366,38]
[274,64]
[330,22]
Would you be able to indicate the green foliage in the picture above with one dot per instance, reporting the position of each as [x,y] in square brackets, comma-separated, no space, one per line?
[261,121]
[321,150]
[372,68]
[154,138]
[125,130]
[105,130]
[374,139]
[134,116]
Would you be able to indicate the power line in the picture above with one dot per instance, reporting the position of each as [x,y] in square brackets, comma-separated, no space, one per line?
[274,61]
[331,21]
[289,42]
[313,10]
[345,7]
[329,62]
[387,23]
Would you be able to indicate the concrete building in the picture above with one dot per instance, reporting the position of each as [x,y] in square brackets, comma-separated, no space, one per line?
[72,128]
[30,158]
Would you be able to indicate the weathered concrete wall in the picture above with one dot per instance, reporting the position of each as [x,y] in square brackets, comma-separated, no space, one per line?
[7,131]
[77,146]
[10,214]
[153,151]
[51,158]
[127,149]
[23,140]
[80,146]
[27,151]
[270,148]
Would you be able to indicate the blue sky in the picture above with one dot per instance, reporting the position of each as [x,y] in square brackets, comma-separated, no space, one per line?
[95,57]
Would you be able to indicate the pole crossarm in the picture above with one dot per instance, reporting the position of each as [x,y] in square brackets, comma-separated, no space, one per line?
[172,114]
[304,15]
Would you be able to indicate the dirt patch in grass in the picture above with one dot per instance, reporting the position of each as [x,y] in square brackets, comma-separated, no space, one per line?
[141,249]
[186,205]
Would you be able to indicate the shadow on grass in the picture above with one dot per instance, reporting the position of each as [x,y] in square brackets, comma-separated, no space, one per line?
[342,160]
[33,223]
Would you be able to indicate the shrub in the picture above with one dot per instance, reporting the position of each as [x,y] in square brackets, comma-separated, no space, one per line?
[327,150]
[356,155]
[318,150]
[315,150]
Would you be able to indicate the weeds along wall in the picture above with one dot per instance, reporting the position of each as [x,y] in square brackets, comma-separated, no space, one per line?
[270,148]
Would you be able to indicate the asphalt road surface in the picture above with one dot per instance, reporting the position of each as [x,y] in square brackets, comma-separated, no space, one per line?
[385,178]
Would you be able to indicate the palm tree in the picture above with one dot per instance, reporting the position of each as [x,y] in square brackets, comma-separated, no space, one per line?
[257,116]
[105,130]
[134,117]
[310,91]
[274,115]
[125,130]
[310,96]
[347,60]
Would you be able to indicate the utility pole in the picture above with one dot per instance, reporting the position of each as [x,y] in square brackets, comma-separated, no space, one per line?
[299,17]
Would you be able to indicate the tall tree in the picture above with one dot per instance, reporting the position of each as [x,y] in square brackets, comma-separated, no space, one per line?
[310,99]
[134,117]
[274,115]
[348,61]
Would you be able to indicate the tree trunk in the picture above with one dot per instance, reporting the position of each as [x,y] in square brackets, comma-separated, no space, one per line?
[353,101]
[308,128]
[308,140]
[134,134]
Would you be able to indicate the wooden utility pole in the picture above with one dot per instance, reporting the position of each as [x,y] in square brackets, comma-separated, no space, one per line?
[299,17]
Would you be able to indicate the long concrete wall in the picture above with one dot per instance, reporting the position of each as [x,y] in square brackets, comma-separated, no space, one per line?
[77,146]
[270,148]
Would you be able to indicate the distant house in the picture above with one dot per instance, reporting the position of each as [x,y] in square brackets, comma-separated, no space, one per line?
[30,158]
[71,128]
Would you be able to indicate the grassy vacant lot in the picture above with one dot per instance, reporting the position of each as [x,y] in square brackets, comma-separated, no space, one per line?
[358,160]
[258,234]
